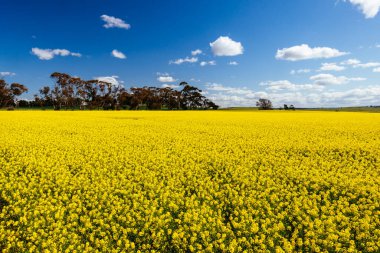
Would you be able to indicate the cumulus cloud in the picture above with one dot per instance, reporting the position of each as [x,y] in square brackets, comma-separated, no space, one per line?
[236,96]
[196,52]
[229,90]
[328,79]
[355,63]
[232,96]
[48,54]
[282,85]
[353,97]
[350,62]
[114,22]
[304,52]
[173,86]
[227,100]
[6,73]
[331,67]
[233,63]
[377,70]
[165,78]
[184,60]
[224,46]
[205,63]
[114,80]
[367,65]
[300,71]
[369,8]
[117,54]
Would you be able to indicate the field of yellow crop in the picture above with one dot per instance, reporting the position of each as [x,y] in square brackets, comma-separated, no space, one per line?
[189,181]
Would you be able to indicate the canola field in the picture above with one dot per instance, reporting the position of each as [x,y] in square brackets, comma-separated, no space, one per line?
[203,181]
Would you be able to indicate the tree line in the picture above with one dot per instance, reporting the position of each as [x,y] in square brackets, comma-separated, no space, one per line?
[70,92]
[266,104]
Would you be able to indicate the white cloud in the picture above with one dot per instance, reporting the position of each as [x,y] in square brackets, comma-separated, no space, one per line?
[228,97]
[6,73]
[237,96]
[355,63]
[233,63]
[356,79]
[114,80]
[304,52]
[173,86]
[48,54]
[205,63]
[117,54]
[229,90]
[367,65]
[331,67]
[166,79]
[233,96]
[377,70]
[370,8]
[350,62]
[328,79]
[224,46]
[354,97]
[114,22]
[281,85]
[196,52]
[300,71]
[226,100]
[187,59]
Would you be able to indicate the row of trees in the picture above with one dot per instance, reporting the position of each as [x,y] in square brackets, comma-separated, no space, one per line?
[266,104]
[73,92]
[288,107]
[70,92]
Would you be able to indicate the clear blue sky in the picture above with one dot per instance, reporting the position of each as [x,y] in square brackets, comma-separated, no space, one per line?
[250,49]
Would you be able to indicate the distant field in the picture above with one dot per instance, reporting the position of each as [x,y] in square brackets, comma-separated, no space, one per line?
[340,109]
[240,108]
[347,109]
[195,181]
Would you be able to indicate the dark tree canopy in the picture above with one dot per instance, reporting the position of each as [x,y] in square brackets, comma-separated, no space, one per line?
[73,92]
[291,107]
[10,92]
[264,104]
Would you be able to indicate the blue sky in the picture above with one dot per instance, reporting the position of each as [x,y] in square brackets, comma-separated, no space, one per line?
[307,53]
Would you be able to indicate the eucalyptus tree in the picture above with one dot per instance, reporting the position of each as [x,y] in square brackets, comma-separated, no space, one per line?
[10,92]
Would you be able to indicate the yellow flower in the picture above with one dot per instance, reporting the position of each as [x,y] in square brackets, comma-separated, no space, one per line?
[233,181]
